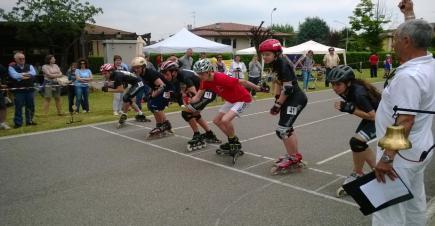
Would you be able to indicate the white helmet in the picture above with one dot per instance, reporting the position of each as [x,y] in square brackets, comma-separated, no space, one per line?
[138,61]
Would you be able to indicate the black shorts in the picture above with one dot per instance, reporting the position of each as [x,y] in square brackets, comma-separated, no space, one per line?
[367,130]
[2,101]
[291,108]
[207,98]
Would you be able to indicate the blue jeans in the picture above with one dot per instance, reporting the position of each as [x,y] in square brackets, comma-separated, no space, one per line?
[82,94]
[24,99]
[307,77]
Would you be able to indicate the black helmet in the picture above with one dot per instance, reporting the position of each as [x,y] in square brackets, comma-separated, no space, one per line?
[341,73]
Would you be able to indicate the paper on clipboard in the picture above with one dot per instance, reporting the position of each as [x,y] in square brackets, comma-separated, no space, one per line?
[379,193]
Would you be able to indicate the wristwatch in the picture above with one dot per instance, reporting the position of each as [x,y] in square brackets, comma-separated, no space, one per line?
[386,159]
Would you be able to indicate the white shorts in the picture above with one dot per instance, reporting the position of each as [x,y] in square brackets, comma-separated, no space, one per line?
[238,107]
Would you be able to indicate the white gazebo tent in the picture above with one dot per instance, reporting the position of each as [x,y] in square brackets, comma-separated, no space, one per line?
[184,39]
[303,48]
[316,47]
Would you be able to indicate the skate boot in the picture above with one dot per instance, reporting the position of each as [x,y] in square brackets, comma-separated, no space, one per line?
[281,158]
[167,127]
[232,148]
[287,164]
[156,132]
[196,143]
[353,176]
[210,138]
[122,120]
[142,118]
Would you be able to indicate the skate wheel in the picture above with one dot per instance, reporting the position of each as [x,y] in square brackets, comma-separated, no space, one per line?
[274,170]
[219,151]
[204,145]
[189,148]
[241,153]
[340,192]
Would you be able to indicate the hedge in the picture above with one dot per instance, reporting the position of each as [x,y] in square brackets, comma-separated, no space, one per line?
[353,58]
[95,63]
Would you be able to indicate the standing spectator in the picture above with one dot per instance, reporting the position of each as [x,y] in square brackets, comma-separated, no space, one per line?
[330,61]
[220,65]
[186,60]
[51,87]
[159,59]
[22,77]
[237,68]
[388,65]
[117,97]
[3,109]
[254,74]
[149,64]
[71,73]
[374,60]
[202,56]
[83,77]
[307,63]
[412,87]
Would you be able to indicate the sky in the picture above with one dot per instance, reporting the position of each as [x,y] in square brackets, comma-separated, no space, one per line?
[165,17]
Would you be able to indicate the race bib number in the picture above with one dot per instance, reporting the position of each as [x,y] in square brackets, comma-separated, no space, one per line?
[166,95]
[208,95]
[292,110]
[140,84]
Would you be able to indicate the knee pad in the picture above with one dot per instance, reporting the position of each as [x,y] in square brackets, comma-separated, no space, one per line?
[197,117]
[357,145]
[187,116]
[284,132]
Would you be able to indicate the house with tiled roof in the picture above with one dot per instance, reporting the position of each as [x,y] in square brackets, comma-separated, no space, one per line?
[234,34]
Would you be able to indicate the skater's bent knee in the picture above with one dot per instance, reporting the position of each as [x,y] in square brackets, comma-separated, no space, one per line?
[357,145]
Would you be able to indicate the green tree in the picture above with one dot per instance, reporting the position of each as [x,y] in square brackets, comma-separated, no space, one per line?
[369,20]
[285,28]
[314,29]
[59,23]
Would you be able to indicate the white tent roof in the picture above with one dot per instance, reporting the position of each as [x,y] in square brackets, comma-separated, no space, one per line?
[247,51]
[316,47]
[185,39]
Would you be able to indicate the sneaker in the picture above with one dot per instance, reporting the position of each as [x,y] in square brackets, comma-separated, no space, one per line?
[32,123]
[115,113]
[4,126]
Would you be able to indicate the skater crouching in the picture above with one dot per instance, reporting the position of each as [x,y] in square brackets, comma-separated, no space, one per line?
[123,82]
[186,83]
[158,98]
[236,97]
[360,99]
[290,100]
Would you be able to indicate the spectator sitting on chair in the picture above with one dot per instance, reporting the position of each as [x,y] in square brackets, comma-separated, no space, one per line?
[22,76]
[51,86]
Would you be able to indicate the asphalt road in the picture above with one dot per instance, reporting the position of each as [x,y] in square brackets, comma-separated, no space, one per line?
[100,175]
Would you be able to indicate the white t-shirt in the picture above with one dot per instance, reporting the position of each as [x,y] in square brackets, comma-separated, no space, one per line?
[413,87]
[237,70]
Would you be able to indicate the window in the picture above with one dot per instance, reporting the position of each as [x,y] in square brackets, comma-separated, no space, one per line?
[234,43]
[226,41]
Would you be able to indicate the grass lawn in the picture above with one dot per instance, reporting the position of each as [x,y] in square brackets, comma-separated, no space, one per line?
[101,109]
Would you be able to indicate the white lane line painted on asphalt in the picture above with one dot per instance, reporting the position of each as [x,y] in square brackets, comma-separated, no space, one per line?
[328,184]
[340,154]
[258,164]
[233,169]
[298,126]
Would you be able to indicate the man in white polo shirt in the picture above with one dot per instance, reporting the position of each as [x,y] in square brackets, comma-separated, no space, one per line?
[412,87]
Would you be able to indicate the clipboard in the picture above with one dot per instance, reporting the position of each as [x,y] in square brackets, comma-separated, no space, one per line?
[355,189]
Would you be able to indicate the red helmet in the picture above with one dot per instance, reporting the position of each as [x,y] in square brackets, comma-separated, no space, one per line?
[107,67]
[271,45]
